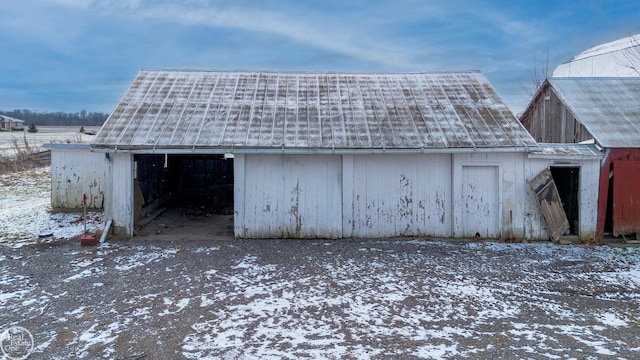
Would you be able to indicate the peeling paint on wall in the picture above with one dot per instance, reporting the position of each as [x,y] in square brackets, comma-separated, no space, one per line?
[295,210]
[374,196]
[76,171]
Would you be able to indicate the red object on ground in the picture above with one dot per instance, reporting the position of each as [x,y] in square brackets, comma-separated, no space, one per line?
[88,240]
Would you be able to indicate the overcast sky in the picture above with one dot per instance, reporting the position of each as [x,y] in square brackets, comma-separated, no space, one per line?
[68,55]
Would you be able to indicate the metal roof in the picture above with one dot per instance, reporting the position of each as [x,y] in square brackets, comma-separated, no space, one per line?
[608,107]
[566,151]
[195,109]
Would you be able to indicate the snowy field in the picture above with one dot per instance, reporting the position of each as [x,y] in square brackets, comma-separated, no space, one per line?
[315,299]
[45,134]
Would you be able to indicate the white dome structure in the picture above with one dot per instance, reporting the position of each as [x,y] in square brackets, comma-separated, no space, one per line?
[619,58]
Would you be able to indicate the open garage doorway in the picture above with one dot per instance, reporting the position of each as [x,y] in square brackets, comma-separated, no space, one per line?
[567,180]
[183,196]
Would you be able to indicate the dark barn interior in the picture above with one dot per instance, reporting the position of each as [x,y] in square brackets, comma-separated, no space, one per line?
[195,185]
[567,180]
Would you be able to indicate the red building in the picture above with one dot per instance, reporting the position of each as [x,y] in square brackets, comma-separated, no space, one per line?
[605,111]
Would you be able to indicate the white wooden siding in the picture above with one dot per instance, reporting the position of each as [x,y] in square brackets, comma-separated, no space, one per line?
[119,206]
[519,214]
[480,201]
[291,196]
[75,171]
[399,195]
[509,184]
[376,196]
[533,222]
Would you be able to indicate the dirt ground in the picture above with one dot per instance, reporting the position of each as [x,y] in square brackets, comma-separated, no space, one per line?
[161,296]
[153,298]
[185,224]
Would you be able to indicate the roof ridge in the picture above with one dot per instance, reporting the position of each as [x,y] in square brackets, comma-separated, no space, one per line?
[310,72]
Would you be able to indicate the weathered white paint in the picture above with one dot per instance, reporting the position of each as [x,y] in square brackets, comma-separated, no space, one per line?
[534,224]
[75,171]
[239,203]
[119,208]
[479,198]
[518,214]
[398,195]
[512,191]
[374,196]
[290,196]
[307,195]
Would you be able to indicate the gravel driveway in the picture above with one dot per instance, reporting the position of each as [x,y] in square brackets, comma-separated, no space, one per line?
[263,299]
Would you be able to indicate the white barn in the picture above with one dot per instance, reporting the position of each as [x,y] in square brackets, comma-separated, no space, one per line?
[334,155]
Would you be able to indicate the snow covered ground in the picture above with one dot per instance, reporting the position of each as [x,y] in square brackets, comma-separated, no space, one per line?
[25,210]
[291,299]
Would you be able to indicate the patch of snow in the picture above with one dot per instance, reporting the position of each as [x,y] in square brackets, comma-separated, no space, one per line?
[142,312]
[179,306]
[25,210]
[5,296]
[246,263]
[84,274]
[85,262]
[138,259]
[99,335]
[207,250]
[78,311]
[611,319]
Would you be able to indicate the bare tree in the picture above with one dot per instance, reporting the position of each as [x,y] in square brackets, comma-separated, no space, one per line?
[537,76]
[629,57]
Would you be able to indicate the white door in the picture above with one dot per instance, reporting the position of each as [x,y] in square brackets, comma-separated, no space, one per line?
[480,201]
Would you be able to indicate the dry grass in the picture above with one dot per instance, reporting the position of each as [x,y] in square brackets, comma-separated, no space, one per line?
[23,157]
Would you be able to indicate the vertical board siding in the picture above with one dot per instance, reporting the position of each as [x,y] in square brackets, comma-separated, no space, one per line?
[480,201]
[533,222]
[400,195]
[375,196]
[626,202]
[121,203]
[289,196]
[588,198]
[508,183]
[75,172]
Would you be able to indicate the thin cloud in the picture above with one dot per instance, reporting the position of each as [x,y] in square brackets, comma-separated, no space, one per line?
[329,36]
[362,39]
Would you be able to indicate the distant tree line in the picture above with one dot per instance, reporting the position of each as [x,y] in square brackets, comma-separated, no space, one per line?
[58,118]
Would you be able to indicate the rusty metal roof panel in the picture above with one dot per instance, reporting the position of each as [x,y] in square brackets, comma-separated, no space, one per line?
[173,109]
[608,107]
